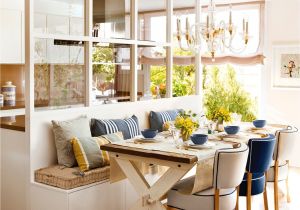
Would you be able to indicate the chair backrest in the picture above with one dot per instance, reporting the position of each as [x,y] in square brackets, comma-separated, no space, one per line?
[229,167]
[285,143]
[260,154]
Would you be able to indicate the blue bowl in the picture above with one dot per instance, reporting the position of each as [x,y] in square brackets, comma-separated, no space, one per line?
[149,133]
[232,129]
[259,123]
[199,138]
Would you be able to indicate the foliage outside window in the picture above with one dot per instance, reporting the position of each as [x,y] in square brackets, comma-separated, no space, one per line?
[222,91]
[183,77]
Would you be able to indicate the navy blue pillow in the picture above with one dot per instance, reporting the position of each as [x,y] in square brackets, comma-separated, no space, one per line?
[157,119]
[129,127]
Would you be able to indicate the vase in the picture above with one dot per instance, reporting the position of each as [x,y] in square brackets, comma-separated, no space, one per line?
[220,126]
[185,135]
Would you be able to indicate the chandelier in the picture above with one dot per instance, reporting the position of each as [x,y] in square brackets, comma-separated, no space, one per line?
[217,37]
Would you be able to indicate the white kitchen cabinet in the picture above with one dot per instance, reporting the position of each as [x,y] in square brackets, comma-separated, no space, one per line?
[11,36]
[14,169]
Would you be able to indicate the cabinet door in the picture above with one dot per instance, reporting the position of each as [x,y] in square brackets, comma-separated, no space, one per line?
[11,36]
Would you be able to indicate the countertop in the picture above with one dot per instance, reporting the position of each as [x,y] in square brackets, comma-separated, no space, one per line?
[13,123]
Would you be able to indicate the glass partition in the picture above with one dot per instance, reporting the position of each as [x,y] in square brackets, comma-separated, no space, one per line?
[111,73]
[59,17]
[151,73]
[59,73]
[111,19]
[152,20]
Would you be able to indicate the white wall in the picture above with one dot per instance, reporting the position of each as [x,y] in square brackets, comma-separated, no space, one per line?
[282,26]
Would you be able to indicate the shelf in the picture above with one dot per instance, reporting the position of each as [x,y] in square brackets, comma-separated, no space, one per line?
[61,37]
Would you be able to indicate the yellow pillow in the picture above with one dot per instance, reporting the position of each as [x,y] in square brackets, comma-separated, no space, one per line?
[87,150]
[88,154]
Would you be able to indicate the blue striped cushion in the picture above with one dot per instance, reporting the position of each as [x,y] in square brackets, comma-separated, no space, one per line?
[157,119]
[129,127]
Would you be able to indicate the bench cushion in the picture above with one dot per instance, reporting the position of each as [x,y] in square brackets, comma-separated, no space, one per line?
[69,178]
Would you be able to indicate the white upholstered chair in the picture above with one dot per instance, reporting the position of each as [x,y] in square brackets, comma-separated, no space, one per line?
[229,168]
[285,143]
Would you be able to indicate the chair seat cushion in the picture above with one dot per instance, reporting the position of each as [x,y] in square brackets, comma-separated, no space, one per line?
[258,184]
[69,178]
[282,172]
[203,200]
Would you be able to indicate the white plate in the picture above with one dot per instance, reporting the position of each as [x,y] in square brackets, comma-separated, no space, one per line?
[207,145]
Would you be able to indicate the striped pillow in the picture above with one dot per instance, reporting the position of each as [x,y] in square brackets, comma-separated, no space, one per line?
[129,127]
[158,119]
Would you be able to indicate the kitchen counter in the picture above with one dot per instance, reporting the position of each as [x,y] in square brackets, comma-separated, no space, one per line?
[13,123]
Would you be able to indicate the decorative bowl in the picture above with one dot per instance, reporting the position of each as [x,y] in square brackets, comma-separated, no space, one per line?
[232,129]
[149,133]
[259,123]
[199,138]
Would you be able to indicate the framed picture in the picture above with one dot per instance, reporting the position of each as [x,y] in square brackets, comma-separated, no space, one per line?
[286,70]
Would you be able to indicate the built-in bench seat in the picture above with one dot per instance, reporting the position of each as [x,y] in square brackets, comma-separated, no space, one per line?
[52,186]
[69,178]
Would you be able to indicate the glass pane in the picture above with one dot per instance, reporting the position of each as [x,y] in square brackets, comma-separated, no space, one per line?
[151,73]
[183,73]
[111,73]
[59,73]
[184,61]
[236,86]
[111,18]
[152,20]
[59,17]
[184,15]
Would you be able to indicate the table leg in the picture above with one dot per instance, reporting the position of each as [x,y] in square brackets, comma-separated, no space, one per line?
[150,195]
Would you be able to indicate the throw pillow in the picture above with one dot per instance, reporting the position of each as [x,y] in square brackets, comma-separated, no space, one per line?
[88,153]
[64,131]
[129,127]
[158,119]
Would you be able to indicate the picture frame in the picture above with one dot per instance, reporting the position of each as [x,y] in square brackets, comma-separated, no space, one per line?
[286,69]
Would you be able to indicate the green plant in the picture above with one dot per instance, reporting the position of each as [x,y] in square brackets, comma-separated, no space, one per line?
[222,90]
[104,56]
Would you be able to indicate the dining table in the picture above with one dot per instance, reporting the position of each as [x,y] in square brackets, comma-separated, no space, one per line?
[128,157]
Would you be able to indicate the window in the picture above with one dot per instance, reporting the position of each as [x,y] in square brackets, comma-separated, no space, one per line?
[111,73]
[59,73]
[152,73]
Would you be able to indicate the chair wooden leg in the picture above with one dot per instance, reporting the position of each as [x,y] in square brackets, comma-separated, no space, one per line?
[217,199]
[249,188]
[287,183]
[237,197]
[276,201]
[265,194]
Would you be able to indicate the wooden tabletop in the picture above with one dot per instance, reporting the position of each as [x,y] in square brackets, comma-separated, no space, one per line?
[180,158]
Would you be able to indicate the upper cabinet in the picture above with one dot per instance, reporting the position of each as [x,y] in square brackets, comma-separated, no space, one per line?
[12,32]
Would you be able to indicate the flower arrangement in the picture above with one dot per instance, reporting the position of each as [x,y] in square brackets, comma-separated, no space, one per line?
[187,123]
[221,115]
